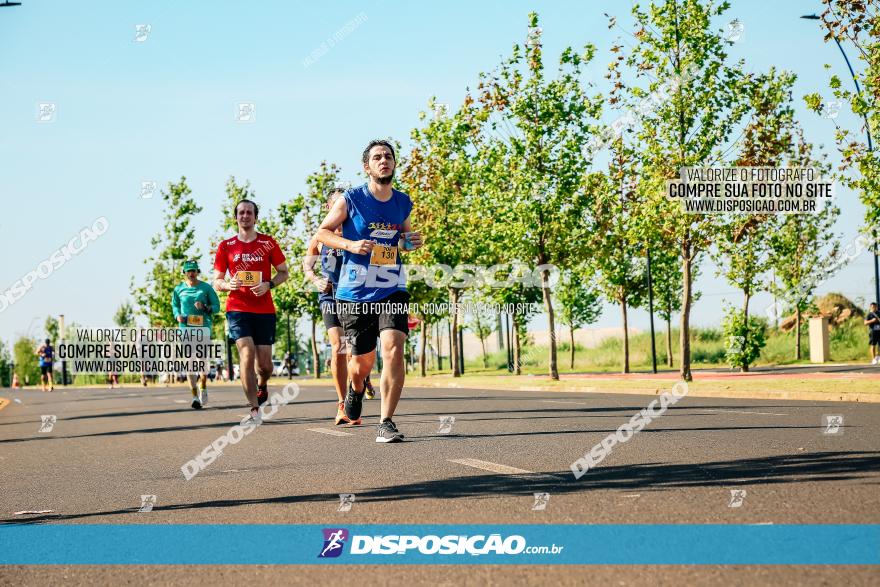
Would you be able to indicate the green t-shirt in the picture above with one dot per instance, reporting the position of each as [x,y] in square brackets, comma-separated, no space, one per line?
[183,303]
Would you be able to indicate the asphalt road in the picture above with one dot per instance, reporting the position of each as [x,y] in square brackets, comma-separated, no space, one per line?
[108,448]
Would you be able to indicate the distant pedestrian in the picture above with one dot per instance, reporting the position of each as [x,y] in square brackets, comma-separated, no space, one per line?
[872,321]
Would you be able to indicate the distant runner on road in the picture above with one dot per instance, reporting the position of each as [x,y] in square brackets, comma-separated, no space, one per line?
[194,304]
[872,321]
[47,357]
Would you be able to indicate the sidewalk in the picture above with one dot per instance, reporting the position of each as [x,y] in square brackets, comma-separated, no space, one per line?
[851,386]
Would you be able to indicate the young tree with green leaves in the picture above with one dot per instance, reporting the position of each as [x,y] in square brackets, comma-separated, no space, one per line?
[620,241]
[679,59]
[5,365]
[171,248]
[579,302]
[743,244]
[666,282]
[440,176]
[297,223]
[124,316]
[804,249]
[51,327]
[547,122]
[26,364]
[856,24]
[482,323]
[746,336]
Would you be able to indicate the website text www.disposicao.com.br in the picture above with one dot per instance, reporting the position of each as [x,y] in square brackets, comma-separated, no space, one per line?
[430,544]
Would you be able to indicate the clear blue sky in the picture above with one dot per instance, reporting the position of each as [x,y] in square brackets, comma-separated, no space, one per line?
[163,108]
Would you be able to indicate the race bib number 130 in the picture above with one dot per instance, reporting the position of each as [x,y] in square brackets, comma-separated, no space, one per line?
[383,255]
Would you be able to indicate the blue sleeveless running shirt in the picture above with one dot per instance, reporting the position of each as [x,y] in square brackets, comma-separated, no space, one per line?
[331,266]
[373,277]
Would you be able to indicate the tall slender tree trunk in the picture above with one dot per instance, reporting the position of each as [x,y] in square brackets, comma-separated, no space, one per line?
[571,340]
[423,350]
[551,324]
[797,332]
[517,348]
[625,334]
[438,341]
[485,356]
[686,298]
[456,359]
[449,334]
[669,340]
[744,367]
[316,359]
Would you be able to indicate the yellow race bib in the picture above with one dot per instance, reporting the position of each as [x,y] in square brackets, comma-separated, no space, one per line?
[193,320]
[249,278]
[383,255]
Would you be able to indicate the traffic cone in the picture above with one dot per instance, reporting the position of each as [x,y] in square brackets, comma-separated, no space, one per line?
[15,383]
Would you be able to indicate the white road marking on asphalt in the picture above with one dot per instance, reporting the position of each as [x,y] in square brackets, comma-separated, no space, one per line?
[745,412]
[633,495]
[487,466]
[330,431]
[181,401]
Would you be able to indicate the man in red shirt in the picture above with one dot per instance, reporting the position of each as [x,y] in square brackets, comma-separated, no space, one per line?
[248,258]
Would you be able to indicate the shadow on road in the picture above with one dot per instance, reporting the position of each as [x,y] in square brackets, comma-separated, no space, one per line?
[808,467]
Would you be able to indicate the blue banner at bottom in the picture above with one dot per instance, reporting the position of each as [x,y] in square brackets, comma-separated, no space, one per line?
[441,544]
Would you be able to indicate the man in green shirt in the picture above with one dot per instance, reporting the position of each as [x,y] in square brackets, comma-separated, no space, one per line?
[194,303]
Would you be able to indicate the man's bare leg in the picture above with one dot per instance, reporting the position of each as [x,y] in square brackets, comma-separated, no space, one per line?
[247,355]
[338,366]
[393,372]
[359,367]
[264,364]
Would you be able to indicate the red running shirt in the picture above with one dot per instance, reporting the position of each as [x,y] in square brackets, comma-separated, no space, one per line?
[261,255]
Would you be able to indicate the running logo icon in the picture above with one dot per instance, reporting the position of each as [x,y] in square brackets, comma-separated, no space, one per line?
[833,424]
[446,423]
[737,496]
[334,541]
[47,423]
[346,500]
[147,503]
[541,501]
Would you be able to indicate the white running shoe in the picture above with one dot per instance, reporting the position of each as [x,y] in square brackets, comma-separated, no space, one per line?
[203,397]
[255,417]
[875,360]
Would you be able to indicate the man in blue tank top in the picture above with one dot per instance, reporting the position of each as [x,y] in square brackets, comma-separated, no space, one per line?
[371,294]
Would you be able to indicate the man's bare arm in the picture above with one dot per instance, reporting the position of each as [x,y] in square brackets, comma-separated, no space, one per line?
[220,283]
[282,273]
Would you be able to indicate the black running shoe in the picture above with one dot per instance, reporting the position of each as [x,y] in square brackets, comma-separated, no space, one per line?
[393,425]
[387,432]
[262,394]
[354,403]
